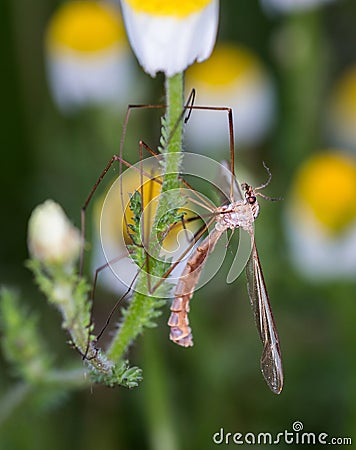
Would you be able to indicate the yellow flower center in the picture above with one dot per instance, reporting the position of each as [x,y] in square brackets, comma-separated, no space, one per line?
[345,95]
[327,185]
[228,64]
[85,26]
[176,8]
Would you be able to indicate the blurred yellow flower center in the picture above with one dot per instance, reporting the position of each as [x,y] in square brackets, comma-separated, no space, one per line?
[327,185]
[227,65]
[117,221]
[178,8]
[150,192]
[345,95]
[86,27]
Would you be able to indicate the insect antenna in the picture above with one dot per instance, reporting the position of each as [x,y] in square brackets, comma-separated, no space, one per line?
[264,185]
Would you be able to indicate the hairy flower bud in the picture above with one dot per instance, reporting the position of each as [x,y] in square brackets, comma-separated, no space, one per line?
[52,239]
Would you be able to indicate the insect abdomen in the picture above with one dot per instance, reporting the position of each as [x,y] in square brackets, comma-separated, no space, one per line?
[181,332]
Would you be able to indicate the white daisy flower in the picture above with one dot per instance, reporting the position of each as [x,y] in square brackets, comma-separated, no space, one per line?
[321,217]
[234,77]
[87,55]
[342,110]
[289,6]
[168,36]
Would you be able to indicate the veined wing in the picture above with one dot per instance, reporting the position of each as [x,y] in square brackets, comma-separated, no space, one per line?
[271,362]
[181,332]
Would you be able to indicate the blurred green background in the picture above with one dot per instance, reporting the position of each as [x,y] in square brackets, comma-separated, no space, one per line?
[186,395]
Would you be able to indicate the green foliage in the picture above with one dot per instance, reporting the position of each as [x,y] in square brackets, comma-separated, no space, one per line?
[136,208]
[24,349]
[69,294]
[121,374]
[171,217]
[164,138]
[22,345]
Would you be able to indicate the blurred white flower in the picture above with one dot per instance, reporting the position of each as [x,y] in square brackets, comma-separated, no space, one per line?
[52,239]
[321,217]
[292,5]
[341,115]
[168,36]
[233,76]
[87,55]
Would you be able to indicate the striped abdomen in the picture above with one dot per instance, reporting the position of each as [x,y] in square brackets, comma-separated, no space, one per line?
[181,333]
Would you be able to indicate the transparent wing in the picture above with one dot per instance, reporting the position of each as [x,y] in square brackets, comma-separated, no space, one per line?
[271,362]
[225,181]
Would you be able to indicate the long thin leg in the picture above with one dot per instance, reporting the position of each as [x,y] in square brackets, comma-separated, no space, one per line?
[117,303]
[189,106]
[105,171]
[185,252]
[85,205]
[209,206]
[231,138]
[205,205]
[197,236]
[92,294]
[113,159]
[99,180]
[94,188]
[182,223]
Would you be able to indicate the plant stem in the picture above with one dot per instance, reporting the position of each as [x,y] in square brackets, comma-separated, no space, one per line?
[143,308]
[158,408]
[174,101]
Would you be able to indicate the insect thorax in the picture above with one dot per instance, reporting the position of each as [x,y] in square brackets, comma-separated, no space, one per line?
[239,214]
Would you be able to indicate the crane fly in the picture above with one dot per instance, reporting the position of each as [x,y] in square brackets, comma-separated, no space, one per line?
[237,214]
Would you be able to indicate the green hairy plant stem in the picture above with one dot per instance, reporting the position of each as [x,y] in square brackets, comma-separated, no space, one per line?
[143,309]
